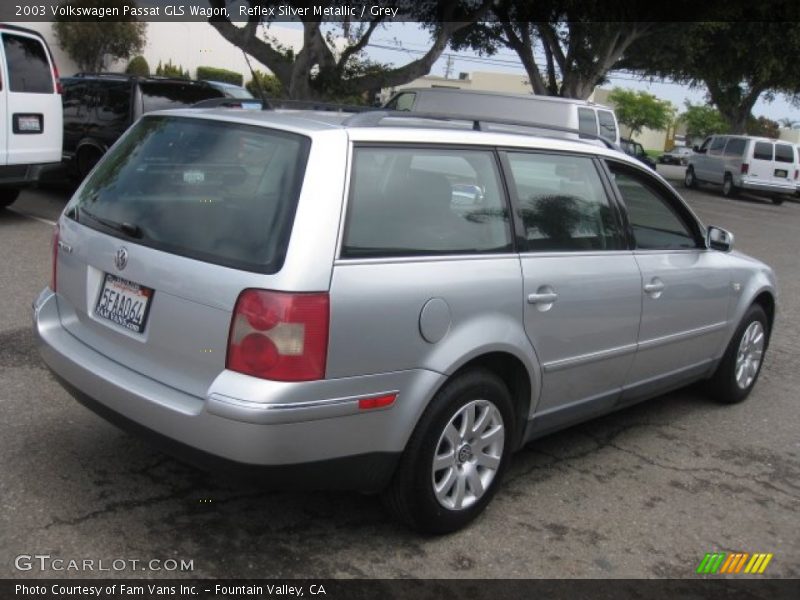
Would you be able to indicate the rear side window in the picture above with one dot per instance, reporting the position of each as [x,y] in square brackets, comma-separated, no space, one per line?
[425,201]
[784,153]
[762,151]
[608,128]
[587,122]
[735,147]
[28,67]
[220,192]
[562,203]
[165,95]
[114,101]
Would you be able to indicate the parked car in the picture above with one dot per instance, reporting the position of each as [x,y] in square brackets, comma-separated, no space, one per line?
[738,162]
[386,308]
[230,90]
[30,110]
[679,155]
[636,150]
[587,117]
[99,107]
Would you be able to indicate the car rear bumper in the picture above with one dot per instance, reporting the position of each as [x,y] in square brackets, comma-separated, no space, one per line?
[767,187]
[301,427]
[19,175]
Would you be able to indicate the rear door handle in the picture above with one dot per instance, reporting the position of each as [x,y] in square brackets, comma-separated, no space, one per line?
[542,298]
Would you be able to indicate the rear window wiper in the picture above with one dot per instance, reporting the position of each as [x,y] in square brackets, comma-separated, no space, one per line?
[129,229]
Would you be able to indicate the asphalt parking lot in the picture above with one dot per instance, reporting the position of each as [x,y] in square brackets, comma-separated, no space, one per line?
[645,492]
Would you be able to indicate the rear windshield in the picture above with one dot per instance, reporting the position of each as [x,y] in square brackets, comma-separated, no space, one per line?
[28,68]
[164,95]
[784,153]
[223,193]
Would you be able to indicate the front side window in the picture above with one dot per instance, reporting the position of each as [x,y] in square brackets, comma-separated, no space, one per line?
[735,147]
[562,203]
[608,127]
[655,222]
[28,67]
[717,145]
[402,101]
[424,201]
[220,192]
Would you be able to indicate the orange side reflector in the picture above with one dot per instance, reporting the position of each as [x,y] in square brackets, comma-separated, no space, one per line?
[377,402]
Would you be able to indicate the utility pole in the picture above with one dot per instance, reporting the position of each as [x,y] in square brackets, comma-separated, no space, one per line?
[448,67]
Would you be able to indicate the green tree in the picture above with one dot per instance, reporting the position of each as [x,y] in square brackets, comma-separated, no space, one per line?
[763,127]
[138,66]
[747,57]
[639,109]
[567,47]
[331,64]
[92,43]
[267,83]
[703,120]
[173,71]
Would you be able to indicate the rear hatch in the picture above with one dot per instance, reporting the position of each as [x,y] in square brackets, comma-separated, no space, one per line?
[177,219]
[773,163]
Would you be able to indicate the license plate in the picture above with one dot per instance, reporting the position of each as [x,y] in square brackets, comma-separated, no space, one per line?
[781,173]
[124,302]
[30,124]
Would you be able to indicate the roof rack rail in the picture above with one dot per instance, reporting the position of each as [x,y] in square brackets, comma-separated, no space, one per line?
[103,74]
[229,103]
[374,118]
[321,106]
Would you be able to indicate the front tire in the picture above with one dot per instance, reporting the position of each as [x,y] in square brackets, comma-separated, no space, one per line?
[729,190]
[456,457]
[738,371]
[8,196]
[689,180]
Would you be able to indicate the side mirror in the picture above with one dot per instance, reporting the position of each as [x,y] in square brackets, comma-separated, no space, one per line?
[466,195]
[697,149]
[719,239]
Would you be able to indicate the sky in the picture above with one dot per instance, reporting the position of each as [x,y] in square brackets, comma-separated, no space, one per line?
[414,40]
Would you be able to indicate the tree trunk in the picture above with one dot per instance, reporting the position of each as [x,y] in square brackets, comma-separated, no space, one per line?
[734,104]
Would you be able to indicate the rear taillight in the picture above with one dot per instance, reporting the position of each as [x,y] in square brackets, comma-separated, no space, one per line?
[57,79]
[795,174]
[278,335]
[745,168]
[54,252]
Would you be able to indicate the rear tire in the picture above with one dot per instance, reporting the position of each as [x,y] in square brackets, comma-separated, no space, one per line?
[729,190]
[740,367]
[443,496]
[87,158]
[8,196]
[689,179]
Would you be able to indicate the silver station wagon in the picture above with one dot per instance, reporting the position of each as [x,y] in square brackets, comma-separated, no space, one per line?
[385,303]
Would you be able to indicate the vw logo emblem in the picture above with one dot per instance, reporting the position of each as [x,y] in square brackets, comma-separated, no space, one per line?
[121,258]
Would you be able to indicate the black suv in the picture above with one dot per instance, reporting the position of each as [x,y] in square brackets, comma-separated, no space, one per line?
[99,107]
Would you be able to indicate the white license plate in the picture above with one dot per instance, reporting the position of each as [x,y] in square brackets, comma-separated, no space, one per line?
[781,173]
[30,124]
[124,303]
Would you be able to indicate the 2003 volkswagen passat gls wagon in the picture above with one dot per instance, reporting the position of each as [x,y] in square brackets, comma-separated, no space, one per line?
[394,308]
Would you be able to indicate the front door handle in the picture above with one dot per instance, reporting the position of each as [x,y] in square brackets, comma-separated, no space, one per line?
[542,298]
[655,287]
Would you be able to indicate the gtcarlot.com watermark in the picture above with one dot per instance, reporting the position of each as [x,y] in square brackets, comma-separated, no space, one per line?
[46,562]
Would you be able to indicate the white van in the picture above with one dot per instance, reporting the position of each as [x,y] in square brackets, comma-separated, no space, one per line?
[586,117]
[740,162]
[30,108]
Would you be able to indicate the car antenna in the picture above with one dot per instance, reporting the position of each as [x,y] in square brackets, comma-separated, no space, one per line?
[265,104]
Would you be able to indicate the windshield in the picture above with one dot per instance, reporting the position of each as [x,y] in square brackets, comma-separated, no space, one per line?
[216,191]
